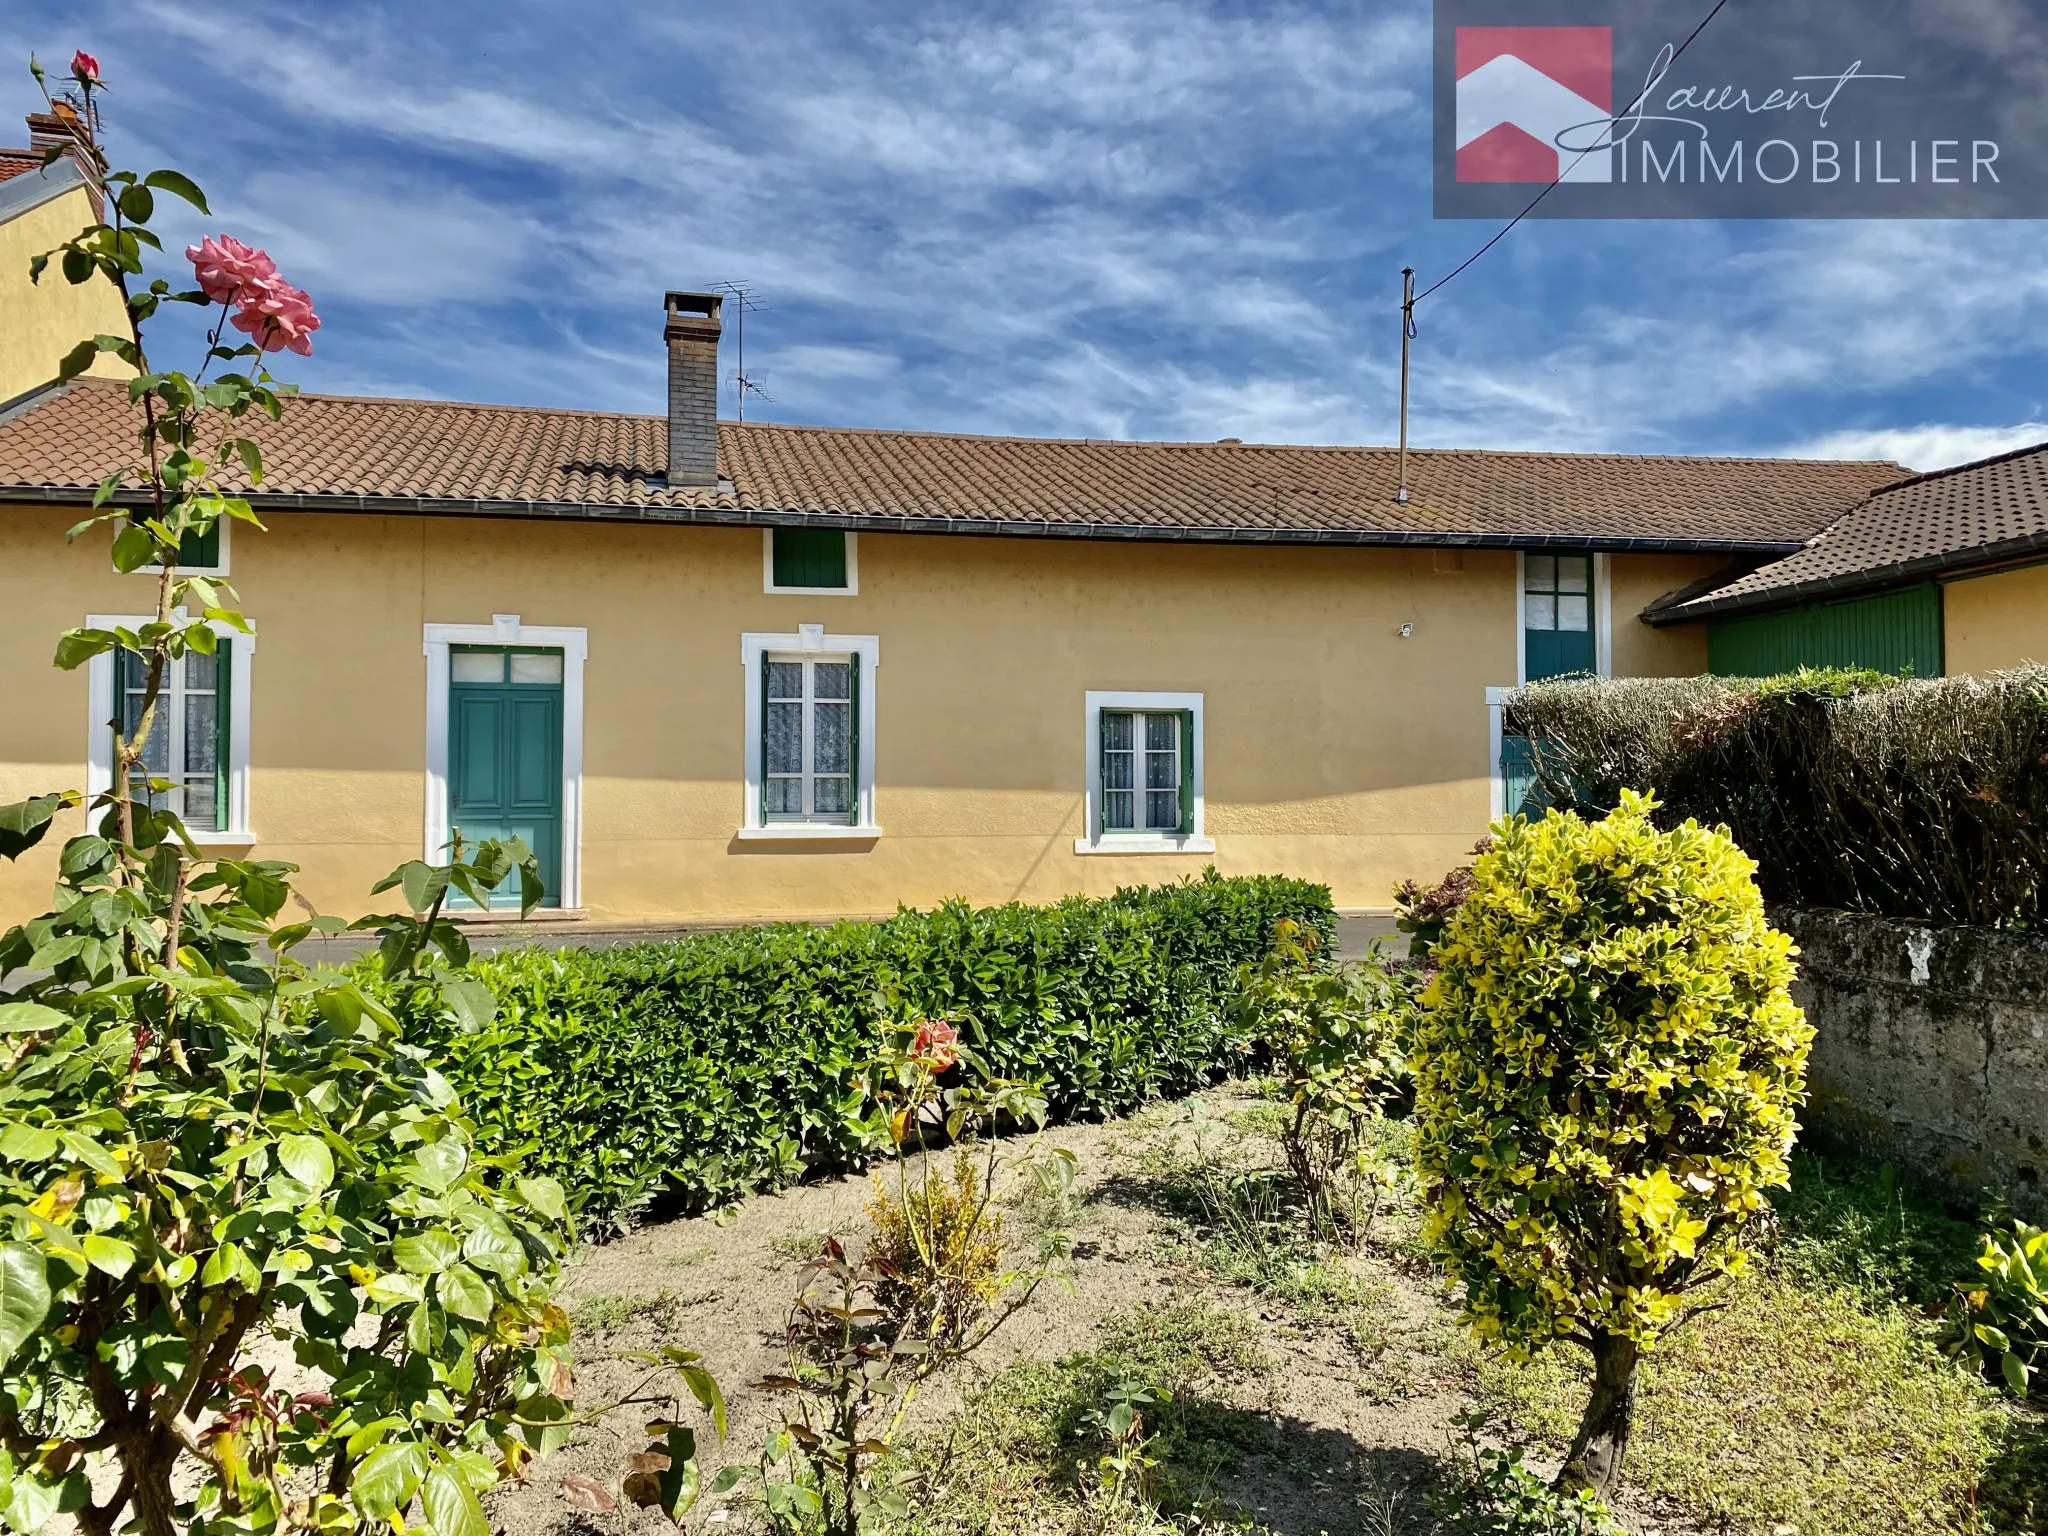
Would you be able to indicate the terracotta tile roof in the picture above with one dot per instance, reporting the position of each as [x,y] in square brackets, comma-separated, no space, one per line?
[1974,514]
[18,162]
[342,453]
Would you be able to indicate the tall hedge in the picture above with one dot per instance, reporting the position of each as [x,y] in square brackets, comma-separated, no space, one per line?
[1917,799]
[698,1070]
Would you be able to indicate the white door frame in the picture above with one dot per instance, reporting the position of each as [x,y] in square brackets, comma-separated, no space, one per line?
[506,629]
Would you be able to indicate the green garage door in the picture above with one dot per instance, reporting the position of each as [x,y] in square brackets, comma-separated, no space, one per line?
[1896,632]
[505,755]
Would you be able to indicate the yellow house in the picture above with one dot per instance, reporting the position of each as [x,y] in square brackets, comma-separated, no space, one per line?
[42,206]
[716,671]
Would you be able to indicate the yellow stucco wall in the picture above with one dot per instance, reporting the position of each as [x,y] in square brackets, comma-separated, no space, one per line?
[40,322]
[1335,749]
[1634,581]
[1996,621]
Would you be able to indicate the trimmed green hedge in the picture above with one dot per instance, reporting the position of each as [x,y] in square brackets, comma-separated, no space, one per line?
[696,1071]
[1922,799]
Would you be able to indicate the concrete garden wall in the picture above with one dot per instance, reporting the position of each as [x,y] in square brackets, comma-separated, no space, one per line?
[1932,1048]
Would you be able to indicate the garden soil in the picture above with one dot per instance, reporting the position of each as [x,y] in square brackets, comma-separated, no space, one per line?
[1363,1426]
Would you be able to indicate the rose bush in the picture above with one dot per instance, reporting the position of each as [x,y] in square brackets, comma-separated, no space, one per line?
[203,1144]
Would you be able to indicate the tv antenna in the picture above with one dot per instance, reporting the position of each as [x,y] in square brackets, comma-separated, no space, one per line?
[744,383]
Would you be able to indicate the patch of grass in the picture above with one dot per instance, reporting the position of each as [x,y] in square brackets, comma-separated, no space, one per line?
[798,1247]
[1799,1403]
[689,1256]
[1019,1456]
[1853,1223]
[608,1314]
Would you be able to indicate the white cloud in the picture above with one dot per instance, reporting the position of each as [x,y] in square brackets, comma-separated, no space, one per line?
[1924,447]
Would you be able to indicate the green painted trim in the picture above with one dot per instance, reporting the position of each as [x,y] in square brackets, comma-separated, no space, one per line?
[809,557]
[1898,632]
[1187,771]
[223,716]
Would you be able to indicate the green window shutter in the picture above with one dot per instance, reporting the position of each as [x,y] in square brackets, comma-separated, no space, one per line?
[810,557]
[1187,772]
[201,551]
[1101,773]
[762,809]
[853,748]
[224,693]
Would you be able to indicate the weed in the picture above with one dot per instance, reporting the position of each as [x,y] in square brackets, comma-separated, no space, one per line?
[1490,1493]
[940,1252]
[798,1247]
[1026,1452]
[608,1314]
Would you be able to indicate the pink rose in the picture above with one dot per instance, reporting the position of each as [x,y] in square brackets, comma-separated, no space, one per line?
[85,68]
[935,1045]
[275,315]
[223,266]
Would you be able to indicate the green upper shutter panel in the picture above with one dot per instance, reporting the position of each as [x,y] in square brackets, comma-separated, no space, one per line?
[200,551]
[1896,632]
[810,557]
[1559,620]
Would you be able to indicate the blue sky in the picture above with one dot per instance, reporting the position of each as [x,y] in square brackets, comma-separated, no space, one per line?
[1101,218]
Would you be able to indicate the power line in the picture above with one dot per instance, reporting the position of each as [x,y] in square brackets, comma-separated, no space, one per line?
[1409,305]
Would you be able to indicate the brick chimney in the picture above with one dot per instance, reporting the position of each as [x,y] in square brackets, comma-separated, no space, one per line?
[691,329]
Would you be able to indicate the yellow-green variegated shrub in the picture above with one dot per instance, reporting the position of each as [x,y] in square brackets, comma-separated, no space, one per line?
[1607,1072]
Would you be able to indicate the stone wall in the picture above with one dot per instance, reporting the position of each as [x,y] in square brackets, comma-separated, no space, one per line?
[1932,1049]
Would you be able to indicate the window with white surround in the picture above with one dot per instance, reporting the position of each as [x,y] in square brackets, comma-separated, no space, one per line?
[200,554]
[810,762]
[807,738]
[198,746]
[810,562]
[1144,774]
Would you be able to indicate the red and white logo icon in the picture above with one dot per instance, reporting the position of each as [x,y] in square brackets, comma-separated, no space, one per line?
[1519,88]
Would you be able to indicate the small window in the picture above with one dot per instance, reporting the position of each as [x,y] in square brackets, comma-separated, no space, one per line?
[188,740]
[1558,616]
[476,664]
[1146,784]
[812,561]
[810,739]
[1144,774]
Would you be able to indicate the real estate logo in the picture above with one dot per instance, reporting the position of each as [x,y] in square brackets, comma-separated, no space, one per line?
[1632,109]
[1524,93]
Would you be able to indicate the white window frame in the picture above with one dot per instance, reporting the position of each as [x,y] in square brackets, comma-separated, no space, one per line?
[851,589]
[1099,841]
[1603,618]
[810,640]
[99,688]
[227,539]
[507,629]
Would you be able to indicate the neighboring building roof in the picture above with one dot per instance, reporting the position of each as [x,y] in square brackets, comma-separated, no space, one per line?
[1975,514]
[25,182]
[18,162]
[336,453]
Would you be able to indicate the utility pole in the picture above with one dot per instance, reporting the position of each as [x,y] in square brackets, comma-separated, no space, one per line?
[1407,335]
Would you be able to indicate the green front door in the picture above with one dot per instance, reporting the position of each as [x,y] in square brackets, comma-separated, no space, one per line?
[505,755]
[1557,616]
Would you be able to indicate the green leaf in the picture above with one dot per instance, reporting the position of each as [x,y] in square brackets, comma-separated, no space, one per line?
[387,1479]
[75,647]
[473,1003]
[82,356]
[136,204]
[109,1255]
[2014,1369]
[426,1253]
[704,1387]
[27,1143]
[441,1163]
[679,1480]
[463,1293]
[307,1159]
[23,823]
[134,547]
[451,1505]
[25,1018]
[545,1196]
[178,186]
[24,1296]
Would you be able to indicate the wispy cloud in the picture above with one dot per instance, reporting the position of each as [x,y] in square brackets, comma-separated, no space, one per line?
[1923,448]
[1154,218]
